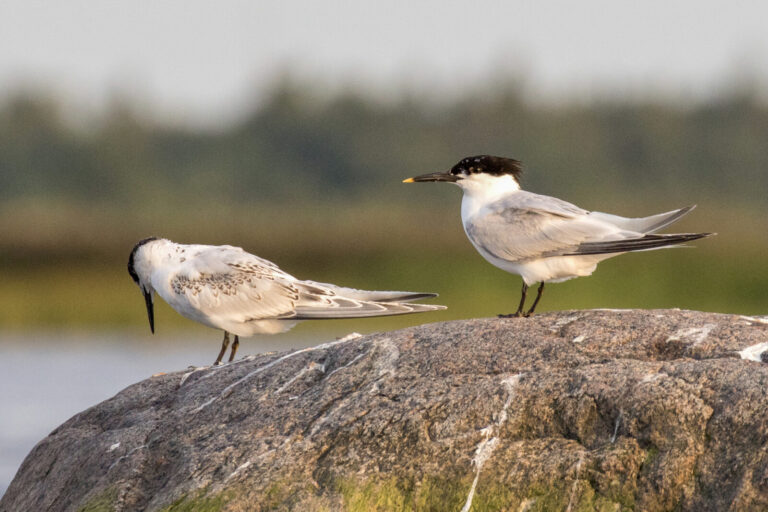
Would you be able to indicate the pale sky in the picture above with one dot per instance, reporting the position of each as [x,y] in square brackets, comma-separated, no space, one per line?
[202,61]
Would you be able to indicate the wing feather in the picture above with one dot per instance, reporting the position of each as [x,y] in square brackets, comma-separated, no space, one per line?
[224,285]
[228,284]
[320,300]
[528,226]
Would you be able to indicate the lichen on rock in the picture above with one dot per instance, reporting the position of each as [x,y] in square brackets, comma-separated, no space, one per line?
[577,410]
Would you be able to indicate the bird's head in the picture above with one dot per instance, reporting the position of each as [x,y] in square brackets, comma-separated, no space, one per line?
[140,269]
[480,171]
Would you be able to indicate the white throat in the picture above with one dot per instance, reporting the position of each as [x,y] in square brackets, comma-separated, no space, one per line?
[482,189]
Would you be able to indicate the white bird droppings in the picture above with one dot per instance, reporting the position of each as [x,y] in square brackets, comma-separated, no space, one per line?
[386,363]
[758,319]
[312,366]
[562,322]
[579,338]
[754,352]
[696,335]
[486,447]
[228,390]
[114,447]
[353,361]
[575,482]
[651,377]
[616,426]
[238,470]
[351,336]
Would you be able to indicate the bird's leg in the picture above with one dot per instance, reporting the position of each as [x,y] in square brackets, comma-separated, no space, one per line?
[235,344]
[224,345]
[519,311]
[535,302]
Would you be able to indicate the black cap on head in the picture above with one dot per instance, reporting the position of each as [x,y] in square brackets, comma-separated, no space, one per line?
[487,164]
[132,257]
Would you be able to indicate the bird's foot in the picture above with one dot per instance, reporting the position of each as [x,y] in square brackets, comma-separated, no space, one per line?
[512,315]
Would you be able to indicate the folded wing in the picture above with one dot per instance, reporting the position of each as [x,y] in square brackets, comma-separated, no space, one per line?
[227,285]
[529,226]
[325,301]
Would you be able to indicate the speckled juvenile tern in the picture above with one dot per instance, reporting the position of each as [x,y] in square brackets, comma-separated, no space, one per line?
[543,239]
[226,288]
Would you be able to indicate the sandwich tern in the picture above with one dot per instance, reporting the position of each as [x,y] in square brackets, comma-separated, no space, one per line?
[227,288]
[543,239]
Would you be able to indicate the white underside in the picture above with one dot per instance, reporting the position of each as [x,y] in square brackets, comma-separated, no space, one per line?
[555,269]
[479,192]
[244,329]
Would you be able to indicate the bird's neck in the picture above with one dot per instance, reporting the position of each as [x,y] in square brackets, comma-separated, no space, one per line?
[156,254]
[480,191]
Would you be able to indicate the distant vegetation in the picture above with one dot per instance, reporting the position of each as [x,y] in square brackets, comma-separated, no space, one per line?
[314,183]
[299,146]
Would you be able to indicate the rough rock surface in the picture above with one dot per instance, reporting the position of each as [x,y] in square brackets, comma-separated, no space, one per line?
[576,410]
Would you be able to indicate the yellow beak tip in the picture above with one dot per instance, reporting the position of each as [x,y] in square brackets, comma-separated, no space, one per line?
[408,180]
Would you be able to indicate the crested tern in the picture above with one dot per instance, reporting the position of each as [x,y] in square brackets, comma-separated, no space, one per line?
[543,239]
[227,288]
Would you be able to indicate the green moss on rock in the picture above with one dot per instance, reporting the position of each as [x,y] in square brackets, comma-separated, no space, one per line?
[200,502]
[401,494]
[102,502]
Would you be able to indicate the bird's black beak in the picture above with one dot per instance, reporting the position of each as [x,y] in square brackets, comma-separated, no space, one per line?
[150,310]
[434,176]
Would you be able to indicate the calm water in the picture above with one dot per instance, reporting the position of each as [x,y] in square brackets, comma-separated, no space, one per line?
[47,378]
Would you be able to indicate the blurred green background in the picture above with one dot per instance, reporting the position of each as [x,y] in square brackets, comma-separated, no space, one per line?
[312,181]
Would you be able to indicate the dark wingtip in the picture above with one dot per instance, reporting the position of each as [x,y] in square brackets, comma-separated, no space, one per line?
[636,244]
[415,296]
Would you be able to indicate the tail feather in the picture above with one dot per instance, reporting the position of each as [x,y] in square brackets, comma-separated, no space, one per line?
[321,300]
[375,296]
[346,308]
[645,243]
[644,225]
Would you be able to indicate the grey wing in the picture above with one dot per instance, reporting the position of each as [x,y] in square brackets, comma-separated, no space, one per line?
[532,226]
[229,284]
[530,201]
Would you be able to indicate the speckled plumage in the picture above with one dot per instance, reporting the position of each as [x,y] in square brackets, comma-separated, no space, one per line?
[227,288]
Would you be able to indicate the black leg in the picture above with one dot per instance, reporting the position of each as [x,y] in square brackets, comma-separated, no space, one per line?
[235,344]
[224,345]
[535,302]
[519,311]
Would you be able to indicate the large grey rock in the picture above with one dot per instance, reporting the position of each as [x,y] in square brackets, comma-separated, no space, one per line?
[577,410]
